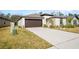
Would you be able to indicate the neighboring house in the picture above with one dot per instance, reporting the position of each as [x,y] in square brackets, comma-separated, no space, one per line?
[12,22]
[56,21]
[4,22]
[33,20]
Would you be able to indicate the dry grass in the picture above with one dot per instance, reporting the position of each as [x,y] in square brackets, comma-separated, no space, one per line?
[24,39]
[74,30]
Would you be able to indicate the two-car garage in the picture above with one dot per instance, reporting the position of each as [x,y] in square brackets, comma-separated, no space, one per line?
[33,22]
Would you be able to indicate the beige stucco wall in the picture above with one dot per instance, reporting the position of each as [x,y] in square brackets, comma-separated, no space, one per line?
[57,22]
[44,19]
[21,22]
[64,22]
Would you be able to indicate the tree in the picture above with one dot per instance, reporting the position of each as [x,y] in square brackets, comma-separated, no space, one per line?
[58,13]
[69,19]
[2,15]
[52,13]
[61,14]
[70,14]
[8,15]
[40,13]
[14,19]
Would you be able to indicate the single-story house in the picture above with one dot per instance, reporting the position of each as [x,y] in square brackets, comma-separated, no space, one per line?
[4,22]
[33,20]
[39,20]
[12,22]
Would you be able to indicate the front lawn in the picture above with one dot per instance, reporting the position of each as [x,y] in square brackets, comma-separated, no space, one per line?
[23,40]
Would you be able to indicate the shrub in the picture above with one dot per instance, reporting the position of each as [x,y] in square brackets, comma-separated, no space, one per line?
[51,26]
[45,25]
[69,19]
[68,26]
[77,25]
[19,27]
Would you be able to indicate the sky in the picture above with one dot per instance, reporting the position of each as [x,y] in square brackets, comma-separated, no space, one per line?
[26,12]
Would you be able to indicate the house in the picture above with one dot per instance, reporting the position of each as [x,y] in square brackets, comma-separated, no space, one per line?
[56,21]
[4,22]
[12,22]
[33,20]
[39,20]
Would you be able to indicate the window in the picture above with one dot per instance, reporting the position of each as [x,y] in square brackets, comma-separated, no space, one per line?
[15,23]
[75,22]
[4,22]
[61,22]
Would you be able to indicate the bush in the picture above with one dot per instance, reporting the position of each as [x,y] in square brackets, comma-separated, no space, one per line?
[77,25]
[51,26]
[19,27]
[45,25]
[68,26]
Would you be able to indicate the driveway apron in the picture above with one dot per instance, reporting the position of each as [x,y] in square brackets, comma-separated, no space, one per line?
[56,37]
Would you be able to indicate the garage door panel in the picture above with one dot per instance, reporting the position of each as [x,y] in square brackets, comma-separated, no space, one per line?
[33,23]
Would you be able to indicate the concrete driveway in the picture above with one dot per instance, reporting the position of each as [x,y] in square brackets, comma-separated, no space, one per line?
[60,39]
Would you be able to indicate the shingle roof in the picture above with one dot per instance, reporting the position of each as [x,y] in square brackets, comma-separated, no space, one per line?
[33,16]
[4,18]
[46,14]
[10,19]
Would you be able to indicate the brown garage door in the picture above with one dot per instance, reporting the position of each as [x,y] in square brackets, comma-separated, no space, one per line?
[33,23]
